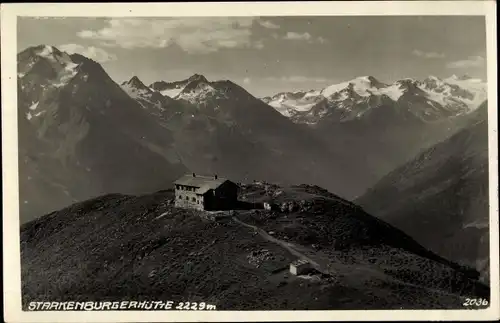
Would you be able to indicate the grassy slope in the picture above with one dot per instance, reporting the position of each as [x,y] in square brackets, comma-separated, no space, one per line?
[125,247]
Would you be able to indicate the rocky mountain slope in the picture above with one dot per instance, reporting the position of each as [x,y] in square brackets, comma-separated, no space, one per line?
[81,135]
[114,246]
[441,196]
[147,97]
[221,128]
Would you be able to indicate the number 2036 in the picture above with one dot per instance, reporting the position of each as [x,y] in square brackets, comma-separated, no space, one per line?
[475,302]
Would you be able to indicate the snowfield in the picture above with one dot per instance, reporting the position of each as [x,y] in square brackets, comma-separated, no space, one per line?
[462,95]
[172,92]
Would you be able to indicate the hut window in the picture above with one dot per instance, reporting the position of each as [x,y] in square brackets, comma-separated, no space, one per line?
[193,199]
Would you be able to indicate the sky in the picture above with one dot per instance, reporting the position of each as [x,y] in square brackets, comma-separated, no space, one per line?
[267,55]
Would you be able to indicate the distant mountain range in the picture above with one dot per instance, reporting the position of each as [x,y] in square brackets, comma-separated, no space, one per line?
[428,100]
[82,135]
[378,126]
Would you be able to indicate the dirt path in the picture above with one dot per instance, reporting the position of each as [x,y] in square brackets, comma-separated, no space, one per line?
[318,264]
[322,262]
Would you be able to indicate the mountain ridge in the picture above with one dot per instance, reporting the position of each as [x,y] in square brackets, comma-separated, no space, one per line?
[175,253]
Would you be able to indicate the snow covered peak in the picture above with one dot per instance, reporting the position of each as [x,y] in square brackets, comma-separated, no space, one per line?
[48,64]
[454,95]
[173,89]
[135,79]
[197,77]
[199,91]
[433,78]
[136,83]
[46,51]
[372,81]
[362,86]
[52,54]
[408,85]
[406,80]
[289,103]
[136,89]
[465,77]
[145,96]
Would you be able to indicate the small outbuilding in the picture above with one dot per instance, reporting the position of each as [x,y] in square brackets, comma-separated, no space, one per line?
[300,267]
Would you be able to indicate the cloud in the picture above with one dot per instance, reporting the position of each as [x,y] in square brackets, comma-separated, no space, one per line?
[45,18]
[198,35]
[268,24]
[259,44]
[247,80]
[321,40]
[95,53]
[472,61]
[423,54]
[305,37]
[298,79]
[297,36]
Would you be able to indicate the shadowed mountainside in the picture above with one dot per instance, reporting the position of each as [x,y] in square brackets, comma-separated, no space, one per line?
[81,135]
[441,197]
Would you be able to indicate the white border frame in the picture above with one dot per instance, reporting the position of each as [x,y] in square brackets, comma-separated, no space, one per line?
[11,279]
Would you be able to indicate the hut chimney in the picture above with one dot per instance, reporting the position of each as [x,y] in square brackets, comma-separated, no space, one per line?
[194,175]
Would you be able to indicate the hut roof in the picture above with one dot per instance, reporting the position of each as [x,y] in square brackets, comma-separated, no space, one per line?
[300,262]
[202,183]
